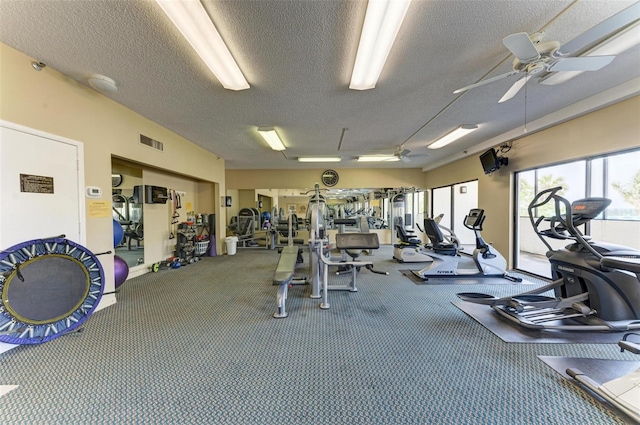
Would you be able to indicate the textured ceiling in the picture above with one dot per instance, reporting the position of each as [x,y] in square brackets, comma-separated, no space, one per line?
[298,56]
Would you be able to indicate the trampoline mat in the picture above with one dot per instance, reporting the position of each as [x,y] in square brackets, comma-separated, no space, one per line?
[49,287]
[52,288]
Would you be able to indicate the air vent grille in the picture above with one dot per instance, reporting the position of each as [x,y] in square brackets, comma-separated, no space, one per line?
[151,142]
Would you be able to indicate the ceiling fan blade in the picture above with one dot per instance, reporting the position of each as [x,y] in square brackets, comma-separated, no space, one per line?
[515,88]
[583,63]
[521,46]
[487,81]
[602,30]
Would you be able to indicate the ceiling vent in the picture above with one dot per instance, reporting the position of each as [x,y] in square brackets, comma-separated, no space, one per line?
[151,142]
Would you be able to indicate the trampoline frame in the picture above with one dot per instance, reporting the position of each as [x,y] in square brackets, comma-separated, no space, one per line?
[16,329]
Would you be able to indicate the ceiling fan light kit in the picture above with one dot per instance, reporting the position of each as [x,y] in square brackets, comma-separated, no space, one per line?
[382,22]
[191,18]
[451,137]
[270,136]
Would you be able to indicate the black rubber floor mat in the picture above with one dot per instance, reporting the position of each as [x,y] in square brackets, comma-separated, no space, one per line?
[512,332]
[457,280]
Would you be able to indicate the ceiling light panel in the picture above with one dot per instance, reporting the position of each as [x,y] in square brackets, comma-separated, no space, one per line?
[456,134]
[381,25]
[190,17]
[319,159]
[271,137]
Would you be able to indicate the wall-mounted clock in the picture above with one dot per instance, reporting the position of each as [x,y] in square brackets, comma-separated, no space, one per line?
[116,180]
[330,178]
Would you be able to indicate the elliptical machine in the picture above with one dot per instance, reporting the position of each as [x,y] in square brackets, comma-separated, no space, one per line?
[594,289]
[489,262]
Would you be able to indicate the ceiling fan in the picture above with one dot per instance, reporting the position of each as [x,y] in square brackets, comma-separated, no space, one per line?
[533,56]
[403,154]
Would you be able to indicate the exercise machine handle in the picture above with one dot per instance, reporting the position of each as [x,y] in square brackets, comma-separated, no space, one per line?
[547,193]
[629,264]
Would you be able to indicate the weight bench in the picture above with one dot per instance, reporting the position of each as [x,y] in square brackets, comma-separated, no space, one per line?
[347,242]
[283,277]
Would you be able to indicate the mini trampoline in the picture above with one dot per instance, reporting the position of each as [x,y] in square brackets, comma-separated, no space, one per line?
[49,287]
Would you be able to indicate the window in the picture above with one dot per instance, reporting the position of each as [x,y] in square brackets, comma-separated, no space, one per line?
[622,183]
[454,202]
[616,177]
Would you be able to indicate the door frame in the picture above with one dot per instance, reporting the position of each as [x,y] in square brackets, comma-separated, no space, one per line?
[79,146]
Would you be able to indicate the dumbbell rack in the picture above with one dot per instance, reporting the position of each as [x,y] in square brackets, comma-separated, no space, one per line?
[186,242]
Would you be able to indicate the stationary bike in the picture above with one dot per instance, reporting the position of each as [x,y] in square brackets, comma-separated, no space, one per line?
[449,237]
[488,261]
[409,248]
[596,286]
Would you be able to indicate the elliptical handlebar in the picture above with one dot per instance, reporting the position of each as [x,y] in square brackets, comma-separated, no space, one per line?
[541,199]
[563,225]
[550,193]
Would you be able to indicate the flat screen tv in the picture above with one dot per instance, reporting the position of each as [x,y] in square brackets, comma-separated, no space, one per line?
[491,162]
[155,195]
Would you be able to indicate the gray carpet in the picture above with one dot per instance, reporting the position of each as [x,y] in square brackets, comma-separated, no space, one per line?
[198,345]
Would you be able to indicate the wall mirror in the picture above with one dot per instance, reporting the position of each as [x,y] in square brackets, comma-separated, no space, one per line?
[127,210]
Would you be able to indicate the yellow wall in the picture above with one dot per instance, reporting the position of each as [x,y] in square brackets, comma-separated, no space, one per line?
[611,129]
[52,102]
[366,178]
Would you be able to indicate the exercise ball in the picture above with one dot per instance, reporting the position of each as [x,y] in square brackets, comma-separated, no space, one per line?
[118,233]
[121,270]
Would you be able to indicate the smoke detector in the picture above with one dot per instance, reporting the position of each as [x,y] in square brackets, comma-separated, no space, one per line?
[102,83]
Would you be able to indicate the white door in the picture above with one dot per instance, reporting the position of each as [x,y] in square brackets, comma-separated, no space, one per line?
[41,186]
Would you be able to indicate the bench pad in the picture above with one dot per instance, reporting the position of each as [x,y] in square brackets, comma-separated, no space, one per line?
[357,241]
[286,265]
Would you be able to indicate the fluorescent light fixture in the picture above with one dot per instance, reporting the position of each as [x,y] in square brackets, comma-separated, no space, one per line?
[459,132]
[194,23]
[272,138]
[378,158]
[623,40]
[319,159]
[381,25]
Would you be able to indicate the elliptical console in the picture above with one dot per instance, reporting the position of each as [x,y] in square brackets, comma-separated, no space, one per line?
[594,283]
